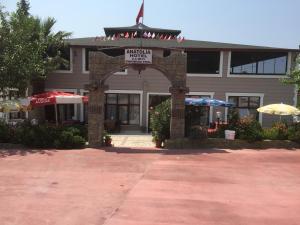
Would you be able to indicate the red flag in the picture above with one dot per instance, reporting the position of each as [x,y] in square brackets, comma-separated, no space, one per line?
[141,13]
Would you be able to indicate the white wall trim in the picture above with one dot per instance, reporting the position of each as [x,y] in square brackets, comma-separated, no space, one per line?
[140,92]
[261,95]
[289,63]
[71,65]
[210,75]
[67,90]
[271,76]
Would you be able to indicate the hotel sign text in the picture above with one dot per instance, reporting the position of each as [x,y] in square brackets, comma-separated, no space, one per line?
[138,56]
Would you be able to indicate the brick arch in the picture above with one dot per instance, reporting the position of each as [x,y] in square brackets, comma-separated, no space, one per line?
[103,66]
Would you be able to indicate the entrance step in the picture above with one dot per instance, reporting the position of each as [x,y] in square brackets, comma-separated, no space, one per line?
[132,140]
[126,128]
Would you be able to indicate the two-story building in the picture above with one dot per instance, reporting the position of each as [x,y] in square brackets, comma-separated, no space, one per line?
[249,76]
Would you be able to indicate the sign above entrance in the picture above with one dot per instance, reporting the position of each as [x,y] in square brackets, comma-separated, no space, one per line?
[138,56]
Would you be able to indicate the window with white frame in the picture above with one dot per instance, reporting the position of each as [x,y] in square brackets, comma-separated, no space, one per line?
[258,63]
[65,55]
[203,62]
[246,106]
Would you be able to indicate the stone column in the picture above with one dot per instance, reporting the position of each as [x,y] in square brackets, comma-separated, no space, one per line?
[96,115]
[177,126]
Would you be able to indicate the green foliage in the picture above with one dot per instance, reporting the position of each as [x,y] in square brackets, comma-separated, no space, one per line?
[160,121]
[294,76]
[28,48]
[294,133]
[233,119]
[278,131]
[67,140]
[198,132]
[249,129]
[106,138]
[43,136]
[4,132]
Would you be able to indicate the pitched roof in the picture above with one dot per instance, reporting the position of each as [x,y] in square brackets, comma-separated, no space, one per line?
[168,44]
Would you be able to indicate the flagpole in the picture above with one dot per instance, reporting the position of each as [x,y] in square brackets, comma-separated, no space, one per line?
[143,12]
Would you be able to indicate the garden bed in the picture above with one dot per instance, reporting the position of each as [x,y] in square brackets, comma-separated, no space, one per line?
[186,143]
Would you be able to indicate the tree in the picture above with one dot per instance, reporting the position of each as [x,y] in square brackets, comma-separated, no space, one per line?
[294,76]
[31,49]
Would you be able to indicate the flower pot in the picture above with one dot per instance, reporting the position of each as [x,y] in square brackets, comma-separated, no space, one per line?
[108,142]
[158,143]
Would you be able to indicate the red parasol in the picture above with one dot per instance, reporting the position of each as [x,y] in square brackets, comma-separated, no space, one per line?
[56,97]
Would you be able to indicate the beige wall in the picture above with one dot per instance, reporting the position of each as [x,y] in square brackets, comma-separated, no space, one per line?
[153,81]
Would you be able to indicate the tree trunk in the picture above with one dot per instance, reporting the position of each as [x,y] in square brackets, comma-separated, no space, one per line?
[36,87]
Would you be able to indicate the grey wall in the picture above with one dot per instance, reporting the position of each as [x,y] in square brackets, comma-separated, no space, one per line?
[152,80]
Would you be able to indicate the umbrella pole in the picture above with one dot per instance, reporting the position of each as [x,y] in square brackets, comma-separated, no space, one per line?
[56,119]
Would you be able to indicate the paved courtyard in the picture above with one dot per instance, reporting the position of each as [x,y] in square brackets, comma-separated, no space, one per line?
[94,187]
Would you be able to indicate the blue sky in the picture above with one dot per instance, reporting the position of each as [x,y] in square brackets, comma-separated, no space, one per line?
[259,22]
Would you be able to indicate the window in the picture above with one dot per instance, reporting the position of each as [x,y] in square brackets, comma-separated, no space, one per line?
[246,105]
[259,63]
[111,52]
[166,53]
[65,54]
[123,107]
[203,62]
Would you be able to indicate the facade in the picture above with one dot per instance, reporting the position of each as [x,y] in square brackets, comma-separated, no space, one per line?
[247,75]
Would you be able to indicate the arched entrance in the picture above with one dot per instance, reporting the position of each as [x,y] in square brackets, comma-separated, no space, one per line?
[102,66]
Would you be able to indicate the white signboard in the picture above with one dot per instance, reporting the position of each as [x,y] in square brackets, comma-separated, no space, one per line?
[138,56]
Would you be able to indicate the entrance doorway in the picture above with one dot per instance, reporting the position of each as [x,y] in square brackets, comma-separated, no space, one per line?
[153,101]
[124,108]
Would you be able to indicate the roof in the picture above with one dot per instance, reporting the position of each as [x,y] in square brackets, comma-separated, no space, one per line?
[154,43]
[140,28]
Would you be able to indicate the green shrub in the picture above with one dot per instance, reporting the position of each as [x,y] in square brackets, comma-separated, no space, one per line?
[4,132]
[78,129]
[249,129]
[37,136]
[160,121]
[279,131]
[198,132]
[233,119]
[282,129]
[294,133]
[67,140]
[270,134]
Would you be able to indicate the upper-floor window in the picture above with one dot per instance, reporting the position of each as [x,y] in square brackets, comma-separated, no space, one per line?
[108,51]
[65,55]
[203,62]
[259,63]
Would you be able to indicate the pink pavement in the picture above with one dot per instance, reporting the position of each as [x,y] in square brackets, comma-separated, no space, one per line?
[94,187]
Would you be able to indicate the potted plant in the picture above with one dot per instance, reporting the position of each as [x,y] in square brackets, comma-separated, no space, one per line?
[160,122]
[107,139]
[157,139]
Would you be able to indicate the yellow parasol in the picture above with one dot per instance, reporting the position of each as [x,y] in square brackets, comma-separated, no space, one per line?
[279,109]
[14,105]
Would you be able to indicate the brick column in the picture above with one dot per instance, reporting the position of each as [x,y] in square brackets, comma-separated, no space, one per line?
[177,126]
[96,115]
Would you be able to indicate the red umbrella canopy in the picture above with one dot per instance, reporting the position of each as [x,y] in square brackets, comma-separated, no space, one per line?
[56,97]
